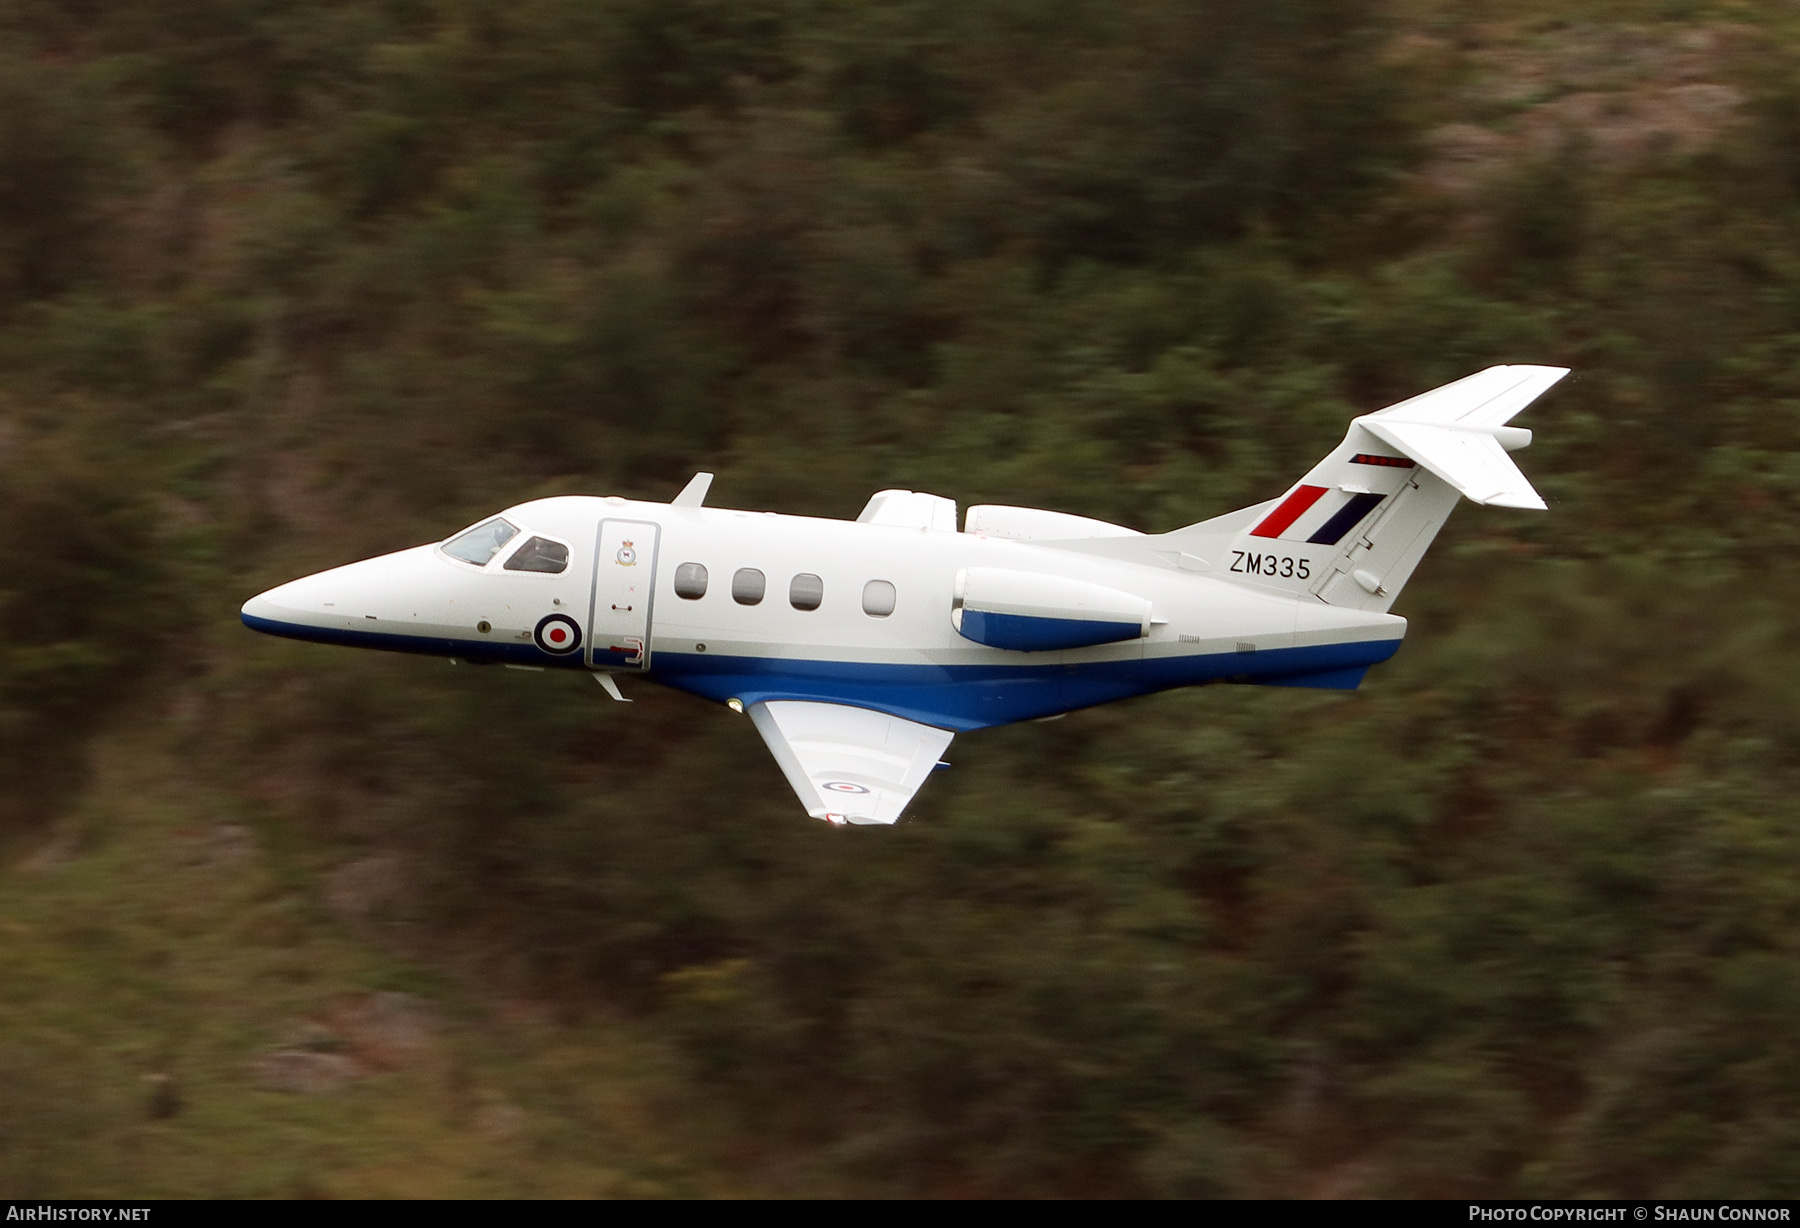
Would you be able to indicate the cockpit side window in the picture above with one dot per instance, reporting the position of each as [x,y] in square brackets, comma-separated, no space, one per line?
[480,544]
[539,554]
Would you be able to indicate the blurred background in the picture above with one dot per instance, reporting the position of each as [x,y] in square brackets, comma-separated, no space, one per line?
[286,283]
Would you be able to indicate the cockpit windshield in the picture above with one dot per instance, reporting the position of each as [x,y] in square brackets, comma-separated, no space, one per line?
[481,543]
[539,554]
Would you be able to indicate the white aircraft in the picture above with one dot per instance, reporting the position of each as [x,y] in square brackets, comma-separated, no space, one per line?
[860,648]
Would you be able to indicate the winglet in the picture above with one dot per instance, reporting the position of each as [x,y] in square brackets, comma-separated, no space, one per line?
[694,493]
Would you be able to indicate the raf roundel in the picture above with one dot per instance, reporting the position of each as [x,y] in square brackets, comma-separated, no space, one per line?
[558,634]
[844,786]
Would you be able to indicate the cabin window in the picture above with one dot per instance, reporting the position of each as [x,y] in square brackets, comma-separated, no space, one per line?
[878,599]
[539,554]
[806,591]
[480,544]
[747,586]
[690,581]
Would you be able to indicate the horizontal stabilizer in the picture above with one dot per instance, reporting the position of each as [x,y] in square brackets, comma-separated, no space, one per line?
[1459,432]
[1471,461]
[1485,399]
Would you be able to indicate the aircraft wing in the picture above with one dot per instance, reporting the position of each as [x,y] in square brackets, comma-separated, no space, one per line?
[849,764]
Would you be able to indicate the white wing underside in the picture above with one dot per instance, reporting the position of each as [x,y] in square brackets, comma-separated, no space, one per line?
[850,764]
[1472,462]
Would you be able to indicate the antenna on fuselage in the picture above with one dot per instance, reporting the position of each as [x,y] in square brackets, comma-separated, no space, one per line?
[694,493]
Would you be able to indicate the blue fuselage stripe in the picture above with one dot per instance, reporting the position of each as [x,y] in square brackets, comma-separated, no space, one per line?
[480,652]
[959,697]
[964,697]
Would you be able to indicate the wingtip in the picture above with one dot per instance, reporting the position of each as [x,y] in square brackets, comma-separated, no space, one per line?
[1532,502]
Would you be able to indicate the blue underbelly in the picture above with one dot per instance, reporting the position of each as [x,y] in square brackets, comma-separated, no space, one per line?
[959,697]
[964,697]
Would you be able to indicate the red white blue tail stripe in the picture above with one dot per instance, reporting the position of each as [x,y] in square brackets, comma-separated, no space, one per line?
[1317,515]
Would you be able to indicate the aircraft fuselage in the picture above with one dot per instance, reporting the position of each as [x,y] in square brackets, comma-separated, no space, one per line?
[850,613]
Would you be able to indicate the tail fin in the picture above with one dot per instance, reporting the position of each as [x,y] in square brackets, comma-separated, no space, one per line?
[1353,529]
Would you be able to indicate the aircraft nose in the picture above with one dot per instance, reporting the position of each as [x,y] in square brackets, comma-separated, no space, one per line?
[288,610]
[383,592]
[258,606]
[302,596]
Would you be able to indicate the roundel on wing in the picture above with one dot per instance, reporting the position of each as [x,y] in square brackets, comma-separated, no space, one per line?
[843,786]
[558,634]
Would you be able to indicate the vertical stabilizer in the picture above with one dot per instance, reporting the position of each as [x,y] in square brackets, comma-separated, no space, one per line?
[1351,532]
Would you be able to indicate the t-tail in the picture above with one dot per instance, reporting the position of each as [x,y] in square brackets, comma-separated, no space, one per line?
[1352,530]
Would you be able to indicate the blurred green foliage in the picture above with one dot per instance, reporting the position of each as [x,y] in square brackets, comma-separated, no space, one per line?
[82,608]
[284,282]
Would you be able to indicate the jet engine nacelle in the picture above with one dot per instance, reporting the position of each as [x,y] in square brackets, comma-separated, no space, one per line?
[1028,611]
